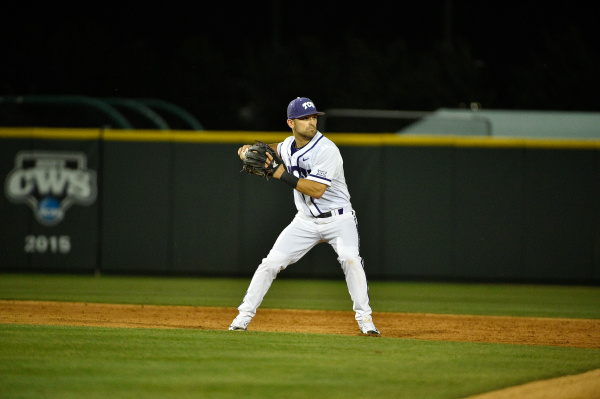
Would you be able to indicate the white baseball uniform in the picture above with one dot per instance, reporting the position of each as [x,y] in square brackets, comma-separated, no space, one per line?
[319,160]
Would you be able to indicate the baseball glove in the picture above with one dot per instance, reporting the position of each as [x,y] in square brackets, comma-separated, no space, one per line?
[256,158]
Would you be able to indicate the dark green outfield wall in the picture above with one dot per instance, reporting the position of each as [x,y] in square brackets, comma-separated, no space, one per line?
[428,208]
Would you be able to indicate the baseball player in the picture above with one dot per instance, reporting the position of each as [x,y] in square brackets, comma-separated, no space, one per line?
[313,167]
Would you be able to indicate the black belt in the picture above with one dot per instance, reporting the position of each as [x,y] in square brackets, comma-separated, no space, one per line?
[328,214]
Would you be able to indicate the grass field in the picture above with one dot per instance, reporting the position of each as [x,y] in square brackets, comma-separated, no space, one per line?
[92,362]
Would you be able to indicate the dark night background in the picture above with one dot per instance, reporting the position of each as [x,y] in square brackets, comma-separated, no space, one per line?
[236,65]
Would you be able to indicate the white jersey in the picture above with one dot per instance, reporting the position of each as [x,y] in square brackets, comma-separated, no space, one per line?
[319,160]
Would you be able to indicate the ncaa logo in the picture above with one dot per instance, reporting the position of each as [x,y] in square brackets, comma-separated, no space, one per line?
[50,182]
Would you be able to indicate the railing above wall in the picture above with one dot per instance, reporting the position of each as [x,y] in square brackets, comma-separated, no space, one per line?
[173,113]
[90,112]
[125,105]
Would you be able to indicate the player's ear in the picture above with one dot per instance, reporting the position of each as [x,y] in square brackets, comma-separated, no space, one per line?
[290,123]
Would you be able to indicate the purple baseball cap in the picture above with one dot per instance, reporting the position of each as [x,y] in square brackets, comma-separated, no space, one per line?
[300,107]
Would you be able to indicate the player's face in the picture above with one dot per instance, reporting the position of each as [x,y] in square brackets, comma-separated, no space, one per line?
[306,126]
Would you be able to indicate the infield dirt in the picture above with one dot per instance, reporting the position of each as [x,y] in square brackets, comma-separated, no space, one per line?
[577,333]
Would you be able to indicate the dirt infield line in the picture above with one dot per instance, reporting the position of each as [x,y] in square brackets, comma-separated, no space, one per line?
[576,333]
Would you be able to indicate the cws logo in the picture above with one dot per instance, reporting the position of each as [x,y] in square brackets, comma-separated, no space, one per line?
[50,182]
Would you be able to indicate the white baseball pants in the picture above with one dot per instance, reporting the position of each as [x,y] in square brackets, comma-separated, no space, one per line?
[301,235]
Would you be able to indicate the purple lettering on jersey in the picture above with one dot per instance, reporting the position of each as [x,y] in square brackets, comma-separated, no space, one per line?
[301,171]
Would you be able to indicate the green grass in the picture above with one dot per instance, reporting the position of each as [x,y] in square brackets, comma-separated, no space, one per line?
[479,299]
[64,362]
[73,362]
